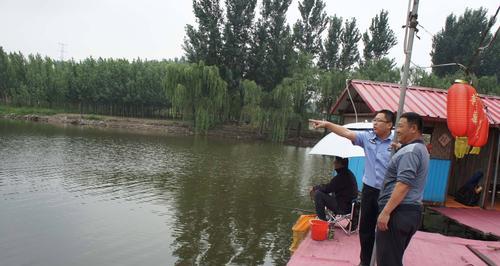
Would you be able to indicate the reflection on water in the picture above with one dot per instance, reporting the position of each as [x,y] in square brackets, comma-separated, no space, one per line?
[72,196]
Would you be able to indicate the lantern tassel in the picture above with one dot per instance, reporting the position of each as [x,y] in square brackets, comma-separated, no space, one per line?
[461,147]
[475,150]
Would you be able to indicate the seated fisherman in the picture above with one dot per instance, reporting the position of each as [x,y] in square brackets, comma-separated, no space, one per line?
[343,186]
[470,193]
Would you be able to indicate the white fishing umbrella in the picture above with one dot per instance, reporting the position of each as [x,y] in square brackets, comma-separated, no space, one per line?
[335,145]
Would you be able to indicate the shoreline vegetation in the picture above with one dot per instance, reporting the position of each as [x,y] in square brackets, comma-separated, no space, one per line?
[237,131]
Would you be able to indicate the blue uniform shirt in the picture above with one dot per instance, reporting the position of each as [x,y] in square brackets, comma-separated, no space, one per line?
[377,156]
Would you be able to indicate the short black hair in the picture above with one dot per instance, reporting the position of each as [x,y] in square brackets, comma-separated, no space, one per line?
[343,161]
[389,115]
[414,119]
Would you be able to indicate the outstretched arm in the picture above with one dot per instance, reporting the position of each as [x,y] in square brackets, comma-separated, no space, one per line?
[337,129]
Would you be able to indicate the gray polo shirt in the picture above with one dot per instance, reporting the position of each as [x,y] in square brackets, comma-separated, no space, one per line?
[409,165]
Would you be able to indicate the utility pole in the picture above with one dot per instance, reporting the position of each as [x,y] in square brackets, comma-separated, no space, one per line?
[61,51]
[411,28]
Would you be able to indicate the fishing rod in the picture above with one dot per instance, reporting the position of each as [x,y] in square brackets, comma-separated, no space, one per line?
[290,199]
[289,208]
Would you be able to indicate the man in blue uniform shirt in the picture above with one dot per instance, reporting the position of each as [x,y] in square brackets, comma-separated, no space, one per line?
[377,147]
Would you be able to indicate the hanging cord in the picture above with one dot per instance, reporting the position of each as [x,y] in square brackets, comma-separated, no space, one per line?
[491,23]
[466,69]
[350,97]
[488,114]
[483,38]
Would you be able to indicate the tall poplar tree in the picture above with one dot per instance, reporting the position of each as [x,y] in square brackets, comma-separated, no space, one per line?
[309,28]
[205,43]
[350,37]
[237,33]
[271,52]
[379,38]
[330,53]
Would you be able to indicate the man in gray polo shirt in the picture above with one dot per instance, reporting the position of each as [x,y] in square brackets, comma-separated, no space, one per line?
[400,199]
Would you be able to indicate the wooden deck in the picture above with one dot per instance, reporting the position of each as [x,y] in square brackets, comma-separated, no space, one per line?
[486,222]
[452,203]
[424,249]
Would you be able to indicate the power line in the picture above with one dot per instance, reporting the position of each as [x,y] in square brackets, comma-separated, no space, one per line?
[428,32]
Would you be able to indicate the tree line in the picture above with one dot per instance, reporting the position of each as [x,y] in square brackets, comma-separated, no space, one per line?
[240,66]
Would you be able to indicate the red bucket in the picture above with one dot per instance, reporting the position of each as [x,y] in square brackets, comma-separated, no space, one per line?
[319,229]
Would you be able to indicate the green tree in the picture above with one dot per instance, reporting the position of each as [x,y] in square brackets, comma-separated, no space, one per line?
[205,43]
[198,92]
[379,39]
[309,28]
[253,111]
[329,57]
[458,41]
[489,65]
[488,85]
[378,70]
[4,68]
[271,54]
[422,78]
[291,98]
[349,38]
[330,85]
[237,33]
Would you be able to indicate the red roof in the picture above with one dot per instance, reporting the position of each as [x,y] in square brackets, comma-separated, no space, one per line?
[428,102]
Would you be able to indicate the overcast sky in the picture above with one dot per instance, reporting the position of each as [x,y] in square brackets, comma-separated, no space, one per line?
[154,29]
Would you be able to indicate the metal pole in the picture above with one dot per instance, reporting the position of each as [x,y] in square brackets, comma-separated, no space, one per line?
[411,25]
[494,190]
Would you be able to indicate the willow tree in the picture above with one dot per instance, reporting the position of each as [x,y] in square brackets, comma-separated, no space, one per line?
[253,111]
[330,85]
[281,110]
[198,92]
[291,97]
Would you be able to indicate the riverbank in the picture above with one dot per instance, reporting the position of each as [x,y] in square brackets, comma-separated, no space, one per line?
[156,126]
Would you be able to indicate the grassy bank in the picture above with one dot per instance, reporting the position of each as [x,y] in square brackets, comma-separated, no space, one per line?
[162,126]
[4,110]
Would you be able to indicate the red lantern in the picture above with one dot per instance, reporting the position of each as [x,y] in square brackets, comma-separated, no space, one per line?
[478,121]
[457,108]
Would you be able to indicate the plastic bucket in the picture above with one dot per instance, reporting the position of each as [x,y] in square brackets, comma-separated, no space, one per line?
[319,229]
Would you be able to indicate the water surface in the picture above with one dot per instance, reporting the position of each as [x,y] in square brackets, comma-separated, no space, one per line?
[74,196]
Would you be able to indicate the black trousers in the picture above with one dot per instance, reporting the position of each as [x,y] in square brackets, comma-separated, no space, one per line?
[322,200]
[367,222]
[391,244]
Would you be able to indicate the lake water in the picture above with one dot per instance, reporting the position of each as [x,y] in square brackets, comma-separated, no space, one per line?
[76,196]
